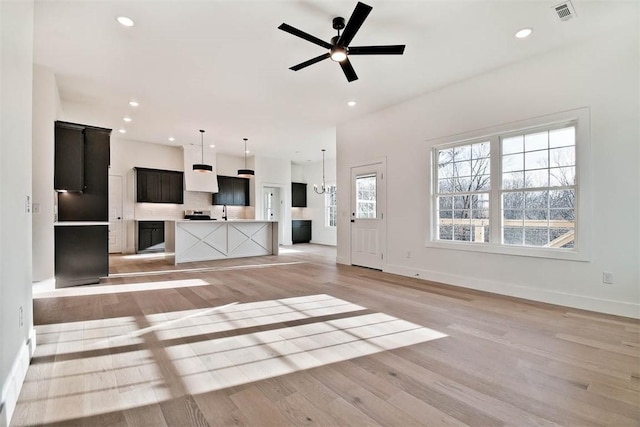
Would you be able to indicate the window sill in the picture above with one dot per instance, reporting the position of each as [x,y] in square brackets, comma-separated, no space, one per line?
[559,254]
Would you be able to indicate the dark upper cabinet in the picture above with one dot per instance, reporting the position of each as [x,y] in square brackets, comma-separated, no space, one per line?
[92,204]
[69,157]
[298,195]
[159,186]
[232,191]
[301,231]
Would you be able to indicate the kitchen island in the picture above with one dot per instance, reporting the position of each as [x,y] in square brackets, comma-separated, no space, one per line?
[210,240]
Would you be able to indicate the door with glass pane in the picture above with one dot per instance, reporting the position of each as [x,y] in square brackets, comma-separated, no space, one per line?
[367,215]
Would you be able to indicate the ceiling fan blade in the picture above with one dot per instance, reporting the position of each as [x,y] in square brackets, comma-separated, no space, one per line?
[308,37]
[358,16]
[310,62]
[377,50]
[348,70]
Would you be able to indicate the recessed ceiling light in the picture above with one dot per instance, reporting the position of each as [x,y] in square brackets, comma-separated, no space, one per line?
[247,151]
[133,103]
[173,139]
[122,131]
[126,119]
[524,33]
[127,22]
[212,146]
[351,103]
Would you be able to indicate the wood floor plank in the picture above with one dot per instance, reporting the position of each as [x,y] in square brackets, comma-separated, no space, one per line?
[295,339]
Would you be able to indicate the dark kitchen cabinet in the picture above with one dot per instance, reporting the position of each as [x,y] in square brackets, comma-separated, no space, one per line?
[232,191]
[298,195]
[301,230]
[150,235]
[159,186]
[69,157]
[92,203]
[81,254]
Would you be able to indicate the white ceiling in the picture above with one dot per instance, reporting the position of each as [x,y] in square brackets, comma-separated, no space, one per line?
[223,65]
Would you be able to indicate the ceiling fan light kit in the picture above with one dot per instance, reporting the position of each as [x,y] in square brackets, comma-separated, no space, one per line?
[338,49]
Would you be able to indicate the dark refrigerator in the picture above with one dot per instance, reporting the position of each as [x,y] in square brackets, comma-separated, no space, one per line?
[82,185]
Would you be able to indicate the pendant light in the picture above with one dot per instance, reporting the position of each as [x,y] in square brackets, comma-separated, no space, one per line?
[323,188]
[245,173]
[202,167]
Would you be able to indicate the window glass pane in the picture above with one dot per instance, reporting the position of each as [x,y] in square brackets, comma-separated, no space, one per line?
[536,178]
[461,214]
[562,156]
[536,200]
[561,238]
[562,177]
[462,233]
[462,153]
[463,184]
[562,215]
[513,200]
[513,217]
[562,199]
[448,214]
[481,150]
[513,235]
[513,162]
[562,137]
[513,144]
[462,168]
[445,170]
[512,180]
[535,215]
[445,185]
[535,236]
[536,160]
[445,202]
[536,141]
[366,197]
[445,232]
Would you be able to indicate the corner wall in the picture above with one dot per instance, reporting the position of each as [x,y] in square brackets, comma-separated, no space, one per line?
[16,302]
[601,74]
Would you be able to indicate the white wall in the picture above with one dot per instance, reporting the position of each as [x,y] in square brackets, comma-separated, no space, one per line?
[601,74]
[46,110]
[272,172]
[315,210]
[16,71]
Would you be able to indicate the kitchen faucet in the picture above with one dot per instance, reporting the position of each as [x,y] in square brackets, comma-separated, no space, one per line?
[224,212]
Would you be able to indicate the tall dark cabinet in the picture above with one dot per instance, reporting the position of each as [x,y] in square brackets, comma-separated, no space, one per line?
[81,176]
[298,195]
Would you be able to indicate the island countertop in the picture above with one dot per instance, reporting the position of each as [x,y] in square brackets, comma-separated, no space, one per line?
[205,240]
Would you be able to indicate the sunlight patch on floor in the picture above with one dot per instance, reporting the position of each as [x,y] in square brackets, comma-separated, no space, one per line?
[107,365]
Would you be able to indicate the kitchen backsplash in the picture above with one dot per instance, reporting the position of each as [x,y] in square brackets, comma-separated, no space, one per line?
[192,200]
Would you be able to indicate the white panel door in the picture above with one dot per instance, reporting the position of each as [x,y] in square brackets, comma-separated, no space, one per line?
[115,214]
[367,215]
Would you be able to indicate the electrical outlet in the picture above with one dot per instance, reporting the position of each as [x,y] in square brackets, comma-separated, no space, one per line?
[20,317]
[607,278]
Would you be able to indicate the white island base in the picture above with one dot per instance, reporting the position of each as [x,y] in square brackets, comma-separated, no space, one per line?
[210,240]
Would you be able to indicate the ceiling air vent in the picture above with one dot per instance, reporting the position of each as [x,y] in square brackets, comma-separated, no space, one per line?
[565,11]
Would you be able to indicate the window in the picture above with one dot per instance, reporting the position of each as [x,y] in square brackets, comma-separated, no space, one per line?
[366,196]
[512,192]
[330,203]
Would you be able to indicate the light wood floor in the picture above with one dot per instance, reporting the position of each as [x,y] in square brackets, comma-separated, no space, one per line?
[297,340]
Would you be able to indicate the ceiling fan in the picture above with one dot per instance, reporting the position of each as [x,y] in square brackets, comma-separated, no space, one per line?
[339,49]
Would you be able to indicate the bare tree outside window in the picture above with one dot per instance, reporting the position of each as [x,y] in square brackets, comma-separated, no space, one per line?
[366,197]
[463,178]
[331,206]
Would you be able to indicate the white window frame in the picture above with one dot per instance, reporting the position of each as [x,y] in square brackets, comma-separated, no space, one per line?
[327,206]
[580,118]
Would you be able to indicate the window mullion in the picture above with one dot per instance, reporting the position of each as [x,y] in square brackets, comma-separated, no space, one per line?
[495,198]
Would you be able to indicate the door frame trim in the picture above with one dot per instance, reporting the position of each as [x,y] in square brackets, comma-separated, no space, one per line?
[122,226]
[383,244]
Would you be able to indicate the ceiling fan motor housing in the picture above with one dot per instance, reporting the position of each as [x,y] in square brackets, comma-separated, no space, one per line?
[338,23]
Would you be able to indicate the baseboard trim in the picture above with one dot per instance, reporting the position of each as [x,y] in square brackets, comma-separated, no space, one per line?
[15,379]
[618,308]
[343,260]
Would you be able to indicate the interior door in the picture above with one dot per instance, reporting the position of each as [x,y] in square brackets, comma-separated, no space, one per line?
[115,214]
[368,203]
